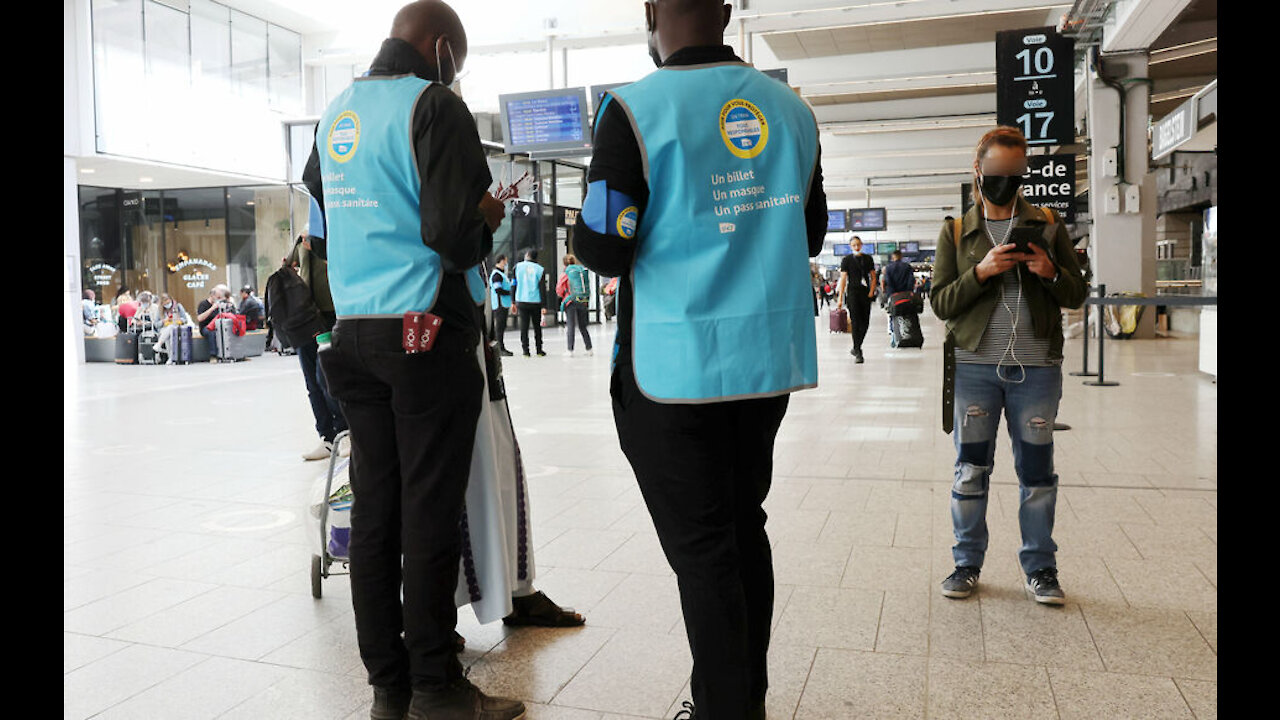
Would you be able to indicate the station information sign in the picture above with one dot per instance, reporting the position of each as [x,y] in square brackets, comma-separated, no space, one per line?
[1051,182]
[1035,84]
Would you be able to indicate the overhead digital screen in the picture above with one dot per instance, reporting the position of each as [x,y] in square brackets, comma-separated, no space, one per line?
[911,247]
[551,120]
[868,248]
[887,248]
[835,221]
[841,249]
[871,219]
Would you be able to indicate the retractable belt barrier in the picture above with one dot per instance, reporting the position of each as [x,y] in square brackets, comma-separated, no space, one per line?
[1101,300]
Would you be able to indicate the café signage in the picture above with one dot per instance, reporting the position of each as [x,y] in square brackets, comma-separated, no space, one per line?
[196,278]
[102,273]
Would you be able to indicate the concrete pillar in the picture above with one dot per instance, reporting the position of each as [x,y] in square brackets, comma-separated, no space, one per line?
[76,140]
[1122,244]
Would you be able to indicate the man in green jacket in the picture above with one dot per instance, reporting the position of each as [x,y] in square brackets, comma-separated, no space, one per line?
[1003,313]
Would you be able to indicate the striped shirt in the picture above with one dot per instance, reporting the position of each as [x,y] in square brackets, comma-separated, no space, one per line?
[993,349]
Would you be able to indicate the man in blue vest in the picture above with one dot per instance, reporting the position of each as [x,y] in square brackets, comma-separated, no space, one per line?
[530,277]
[500,302]
[401,177]
[707,169]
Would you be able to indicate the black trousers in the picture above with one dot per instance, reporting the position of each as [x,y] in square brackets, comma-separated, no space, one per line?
[704,471]
[859,306]
[530,314]
[500,325]
[413,423]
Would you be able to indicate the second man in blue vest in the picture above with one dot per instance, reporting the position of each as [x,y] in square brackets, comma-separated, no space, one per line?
[707,169]
[530,277]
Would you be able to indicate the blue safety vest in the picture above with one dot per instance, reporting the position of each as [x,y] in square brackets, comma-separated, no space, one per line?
[495,300]
[378,264]
[529,282]
[723,305]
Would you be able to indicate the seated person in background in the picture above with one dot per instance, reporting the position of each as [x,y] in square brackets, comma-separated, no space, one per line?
[124,307]
[173,315]
[147,317]
[90,312]
[251,309]
[218,301]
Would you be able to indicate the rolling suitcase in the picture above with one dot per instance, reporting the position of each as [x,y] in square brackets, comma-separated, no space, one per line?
[127,348]
[839,320]
[147,347]
[904,322]
[181,344]
[222,330]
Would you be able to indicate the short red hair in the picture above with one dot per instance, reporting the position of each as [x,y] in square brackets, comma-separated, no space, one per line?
[1005,135]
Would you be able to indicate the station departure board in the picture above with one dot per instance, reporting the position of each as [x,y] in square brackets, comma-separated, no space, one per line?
[553,120]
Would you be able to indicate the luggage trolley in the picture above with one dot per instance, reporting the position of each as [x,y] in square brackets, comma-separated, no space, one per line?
[321,562]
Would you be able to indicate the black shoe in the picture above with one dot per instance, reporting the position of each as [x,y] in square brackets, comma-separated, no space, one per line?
[857,358]
[687,713]
[525,353]
[1043,584]
[541,354]
[961,583]
[390,703]
[462,701]
[505,352]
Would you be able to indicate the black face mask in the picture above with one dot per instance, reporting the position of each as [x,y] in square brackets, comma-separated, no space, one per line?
[1000,189]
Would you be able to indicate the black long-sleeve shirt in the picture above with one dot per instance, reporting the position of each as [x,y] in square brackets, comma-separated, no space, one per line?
[454,176]
[616,160]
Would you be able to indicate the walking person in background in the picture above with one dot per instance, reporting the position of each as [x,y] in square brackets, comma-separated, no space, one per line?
[574,302]
[856,291]
[1003,353]
[314,271]
[530,279]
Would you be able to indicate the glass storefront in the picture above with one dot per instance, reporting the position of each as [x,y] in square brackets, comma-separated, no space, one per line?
[184,242]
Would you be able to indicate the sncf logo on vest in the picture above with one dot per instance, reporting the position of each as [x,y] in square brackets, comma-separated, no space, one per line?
[744,128]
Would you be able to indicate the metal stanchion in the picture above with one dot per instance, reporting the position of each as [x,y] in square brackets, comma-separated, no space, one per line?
[1102,333]
[1085,371]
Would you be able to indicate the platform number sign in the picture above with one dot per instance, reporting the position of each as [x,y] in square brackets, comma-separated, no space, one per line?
[1035,84]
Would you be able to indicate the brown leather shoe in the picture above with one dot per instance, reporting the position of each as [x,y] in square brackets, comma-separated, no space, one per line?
[462,701]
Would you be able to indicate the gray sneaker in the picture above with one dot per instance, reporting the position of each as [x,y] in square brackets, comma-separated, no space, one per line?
[1043,584]
[961,583]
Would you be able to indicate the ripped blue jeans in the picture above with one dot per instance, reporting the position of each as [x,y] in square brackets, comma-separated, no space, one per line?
[1030,409]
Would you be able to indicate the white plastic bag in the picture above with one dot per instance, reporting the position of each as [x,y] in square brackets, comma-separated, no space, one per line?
[338,531]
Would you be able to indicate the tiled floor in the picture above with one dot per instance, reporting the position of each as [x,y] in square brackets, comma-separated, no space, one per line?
[186,564]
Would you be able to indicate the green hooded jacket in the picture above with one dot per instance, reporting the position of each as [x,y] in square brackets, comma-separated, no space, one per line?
[965,304]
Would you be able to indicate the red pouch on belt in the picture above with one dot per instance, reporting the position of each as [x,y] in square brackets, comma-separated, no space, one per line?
[420,330]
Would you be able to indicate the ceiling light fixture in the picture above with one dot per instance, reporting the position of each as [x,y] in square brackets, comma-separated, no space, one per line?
[88,171]
[145,179]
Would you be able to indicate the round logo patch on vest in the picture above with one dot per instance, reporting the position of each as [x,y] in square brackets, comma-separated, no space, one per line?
[744,128]
[627,222]
[344,136]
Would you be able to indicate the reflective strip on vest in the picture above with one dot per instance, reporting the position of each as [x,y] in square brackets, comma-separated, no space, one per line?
[378,264]
[723,297]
